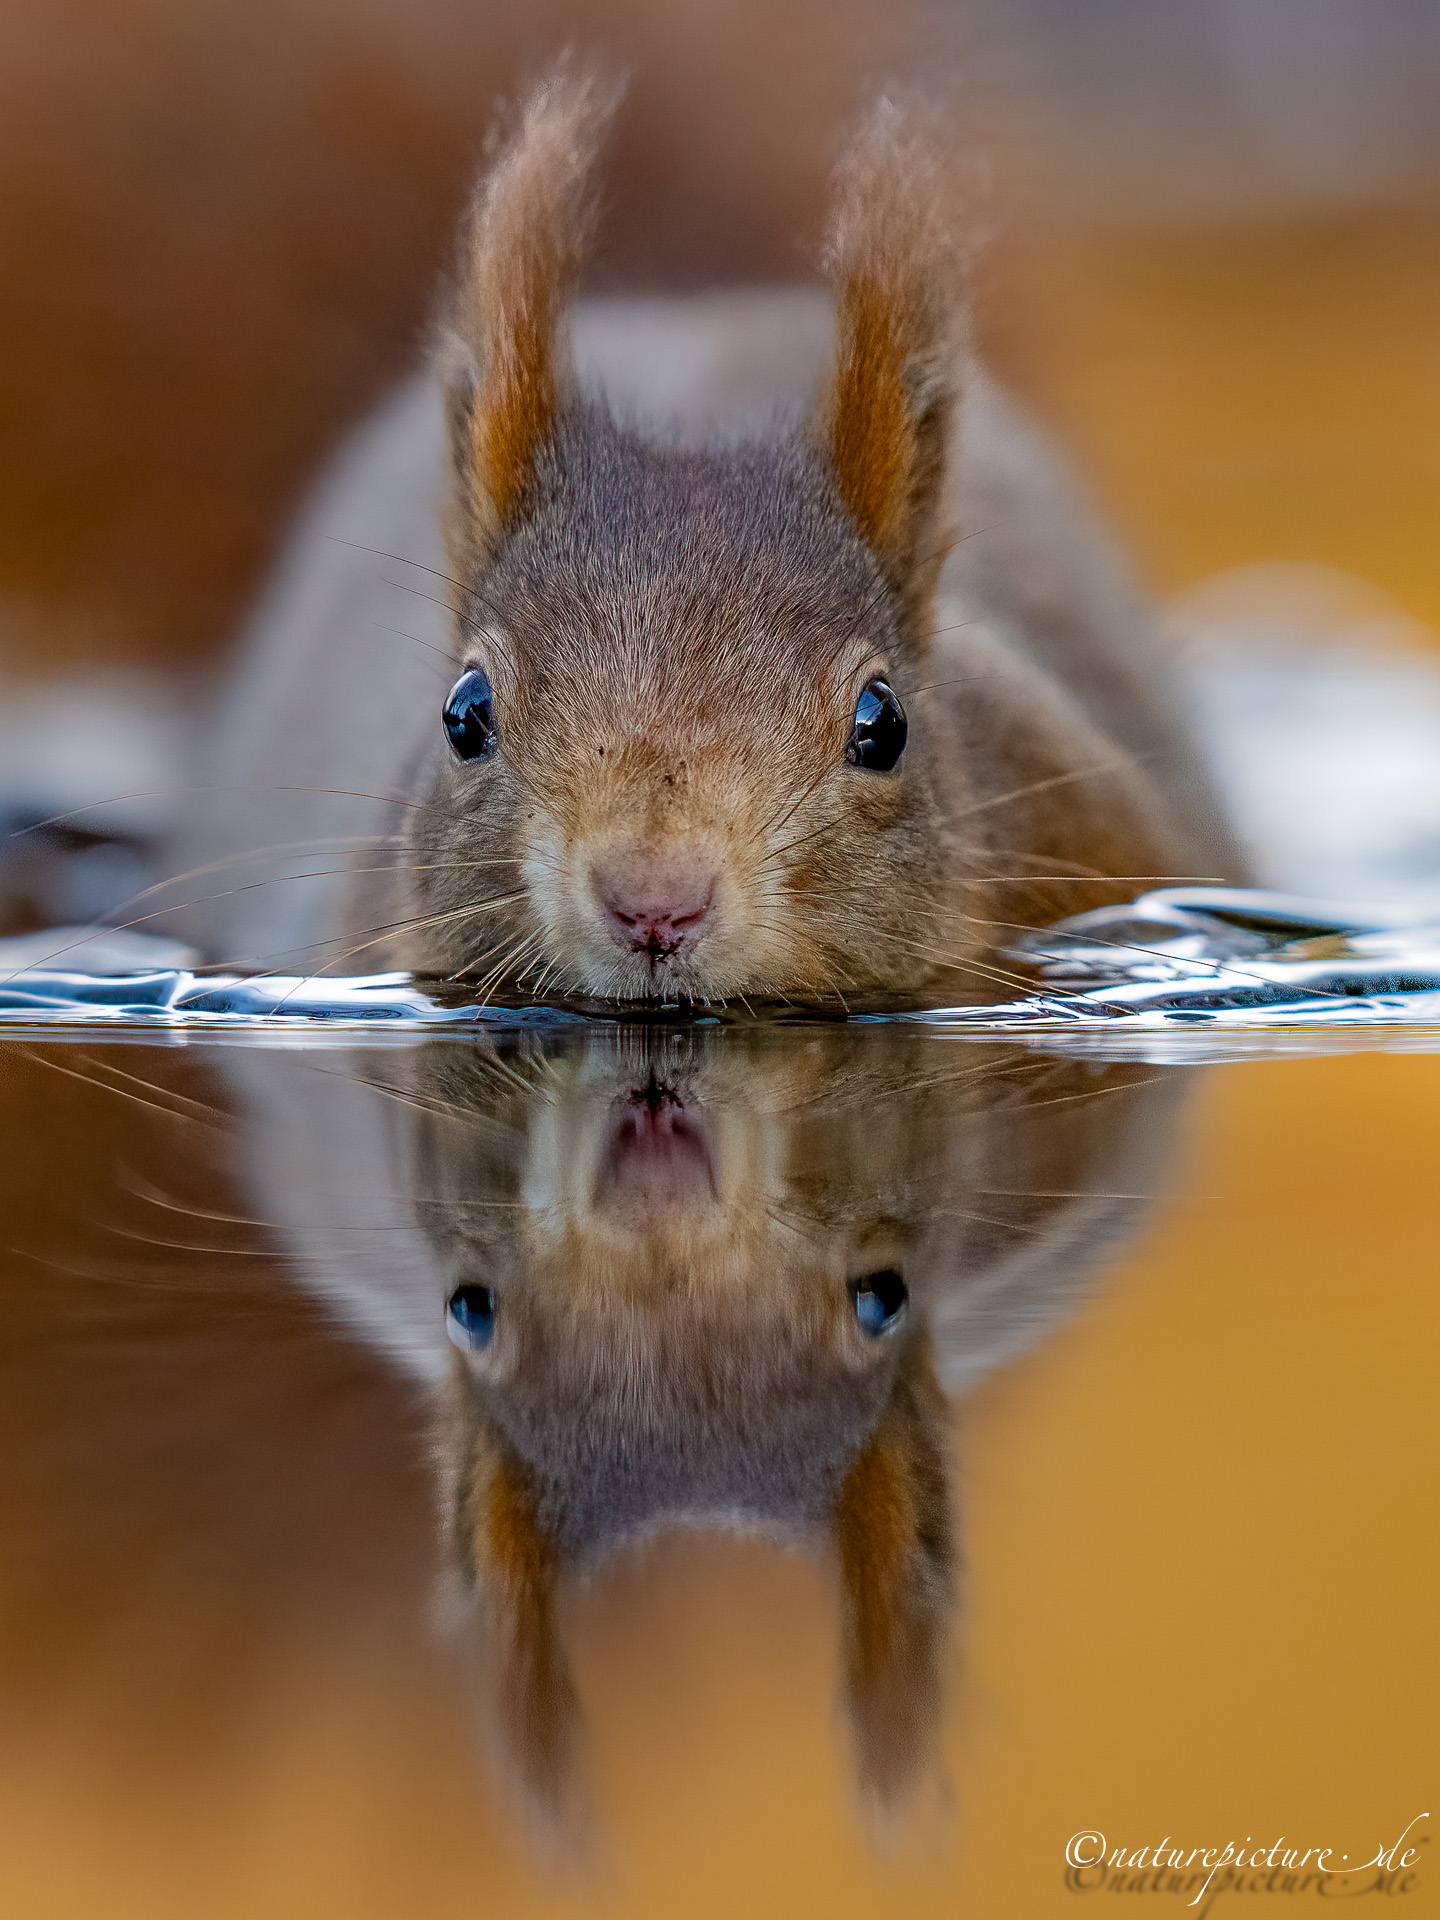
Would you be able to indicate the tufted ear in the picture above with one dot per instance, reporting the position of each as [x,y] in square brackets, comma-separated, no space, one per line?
[887,417]
[510,1561]
[506,371]
[896,1551]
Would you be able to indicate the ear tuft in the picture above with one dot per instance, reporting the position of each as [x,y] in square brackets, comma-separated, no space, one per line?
[510,1560]
[894,266]
[507,377]
[896,1549]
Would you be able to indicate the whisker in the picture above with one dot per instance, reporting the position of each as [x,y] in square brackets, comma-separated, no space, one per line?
[187,1246]
[434,1107]
[400,634]
[403,586]
[826,826]
[104,1086]
[1095,880]
[227,893]
[402,558]
[960,680]
[773,822]
[93,806]
[508,962]
[998,974]
[1044,786]
[243,786]
[416,923]
[197,1109]
[1155,953]
[470,592]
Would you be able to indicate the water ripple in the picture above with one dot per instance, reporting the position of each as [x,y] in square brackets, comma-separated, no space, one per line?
[1226,962]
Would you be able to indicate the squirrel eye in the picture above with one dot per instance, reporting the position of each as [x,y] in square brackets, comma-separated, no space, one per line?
[877,738]
[880,1301]
[470,1317]
[469,716]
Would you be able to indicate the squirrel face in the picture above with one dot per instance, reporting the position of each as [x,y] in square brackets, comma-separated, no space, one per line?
[675,762]
[678,734]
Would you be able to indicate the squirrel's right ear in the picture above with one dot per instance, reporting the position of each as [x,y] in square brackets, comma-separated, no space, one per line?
[505,368]
[887,419]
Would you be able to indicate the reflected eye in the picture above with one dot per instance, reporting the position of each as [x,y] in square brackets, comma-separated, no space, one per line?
[880,1301]
[470,1317]
[469,716]
[877,738]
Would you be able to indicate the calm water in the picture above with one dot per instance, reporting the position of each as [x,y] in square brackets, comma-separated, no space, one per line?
[894,1452]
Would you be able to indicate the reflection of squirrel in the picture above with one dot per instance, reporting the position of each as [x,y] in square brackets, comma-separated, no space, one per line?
[701,1288]
[832,709]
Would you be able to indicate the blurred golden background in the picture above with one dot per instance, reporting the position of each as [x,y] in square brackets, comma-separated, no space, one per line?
[1215,262]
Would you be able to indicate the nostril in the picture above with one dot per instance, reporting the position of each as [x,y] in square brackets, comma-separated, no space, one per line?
[658,923]
[656,913]
[680,919]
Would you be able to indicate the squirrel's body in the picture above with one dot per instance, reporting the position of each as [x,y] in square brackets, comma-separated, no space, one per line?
[672,598]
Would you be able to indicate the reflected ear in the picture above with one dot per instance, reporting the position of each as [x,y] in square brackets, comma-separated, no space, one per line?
[887,417]
[506,373]
[510,1558]
[896,1549]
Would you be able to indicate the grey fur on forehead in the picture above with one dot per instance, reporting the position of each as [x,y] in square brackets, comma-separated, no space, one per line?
[745,1449]
[643,540]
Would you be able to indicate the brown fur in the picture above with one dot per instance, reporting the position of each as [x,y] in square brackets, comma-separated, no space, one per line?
[677,634]
[889,414]
[535,1698]
[525,238]
[676,623]
[896,1550]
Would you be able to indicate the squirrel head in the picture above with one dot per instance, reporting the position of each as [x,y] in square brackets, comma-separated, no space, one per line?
[679,763]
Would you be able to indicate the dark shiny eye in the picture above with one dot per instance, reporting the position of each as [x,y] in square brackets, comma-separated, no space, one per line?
[877,738]
[470,1317]
[469,716]
[880,1301]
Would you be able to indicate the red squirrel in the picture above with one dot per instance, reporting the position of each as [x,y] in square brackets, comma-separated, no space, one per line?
[768,653]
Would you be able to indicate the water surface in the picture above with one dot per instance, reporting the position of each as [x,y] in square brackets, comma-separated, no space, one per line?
[1124,1525]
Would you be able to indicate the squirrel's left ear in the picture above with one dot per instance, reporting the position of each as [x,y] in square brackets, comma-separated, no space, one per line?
[887,419]
[895,1541]
[508,1561]
[505,368]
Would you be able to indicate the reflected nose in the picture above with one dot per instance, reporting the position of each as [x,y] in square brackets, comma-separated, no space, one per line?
[656,908]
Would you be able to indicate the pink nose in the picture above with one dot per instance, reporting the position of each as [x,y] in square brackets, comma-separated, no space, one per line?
[654,910]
